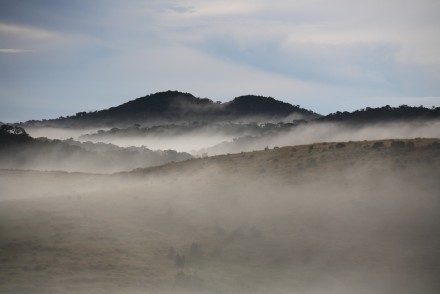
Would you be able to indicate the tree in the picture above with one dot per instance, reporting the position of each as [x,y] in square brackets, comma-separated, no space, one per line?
[12,130]
[195,250]
[180,260]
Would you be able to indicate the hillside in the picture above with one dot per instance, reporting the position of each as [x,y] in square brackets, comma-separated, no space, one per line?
[170,107]
[386,113]
[173,106]
[296,161]
[354,217]
[18,150]
[226,129]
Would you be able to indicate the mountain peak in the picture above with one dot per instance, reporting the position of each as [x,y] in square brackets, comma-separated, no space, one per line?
[157,103]
[267,106]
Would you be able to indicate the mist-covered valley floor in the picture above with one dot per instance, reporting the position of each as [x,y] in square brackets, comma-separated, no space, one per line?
[335,217]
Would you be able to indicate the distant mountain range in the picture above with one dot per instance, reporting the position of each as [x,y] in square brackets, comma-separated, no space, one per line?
[246,123]
[173,106]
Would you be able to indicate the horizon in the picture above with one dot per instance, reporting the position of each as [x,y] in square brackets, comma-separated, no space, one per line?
[58,58]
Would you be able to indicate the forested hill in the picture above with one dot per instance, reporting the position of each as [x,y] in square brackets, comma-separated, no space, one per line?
[169,107]
[384,114]
[18,150]
[174,106]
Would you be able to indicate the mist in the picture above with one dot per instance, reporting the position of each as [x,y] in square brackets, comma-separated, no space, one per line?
[352,225]
[58,133]
[328,132]
[181,143]
[215,140]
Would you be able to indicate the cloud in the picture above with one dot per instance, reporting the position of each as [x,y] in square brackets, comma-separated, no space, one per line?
[354,64]
[367,45]
[311,53]
[21,38]
[32,33]
[13,50]
[412,28]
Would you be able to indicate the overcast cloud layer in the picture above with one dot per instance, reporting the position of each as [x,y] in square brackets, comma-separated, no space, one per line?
[61,57]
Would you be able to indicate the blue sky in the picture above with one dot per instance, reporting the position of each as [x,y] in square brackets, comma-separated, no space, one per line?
[61,57]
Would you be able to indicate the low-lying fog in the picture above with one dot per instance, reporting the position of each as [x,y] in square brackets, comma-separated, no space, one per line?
[329,132]
[180,143]
[219,143]
[307,134]
[58,133]
[357,230]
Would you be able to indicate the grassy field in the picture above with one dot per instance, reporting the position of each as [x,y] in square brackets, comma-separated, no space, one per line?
[294,162]
[349,217]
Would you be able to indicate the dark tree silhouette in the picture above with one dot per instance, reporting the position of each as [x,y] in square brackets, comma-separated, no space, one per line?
[385,113]
[180,260]
[195,251]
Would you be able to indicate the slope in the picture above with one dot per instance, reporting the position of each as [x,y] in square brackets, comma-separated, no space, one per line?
[348,217]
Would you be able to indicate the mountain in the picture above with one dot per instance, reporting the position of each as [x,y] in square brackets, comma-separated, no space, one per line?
[169,107]
[251,105]
[383,114]
[18,150]
[174,106]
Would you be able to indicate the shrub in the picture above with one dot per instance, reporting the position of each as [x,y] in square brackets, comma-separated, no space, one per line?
[410,146]
[234,235]
[171,253]
[397,145]
[435,145]
[378,145]
[180,260]
[195,251]
[189,280]
[255,233]
[311,161]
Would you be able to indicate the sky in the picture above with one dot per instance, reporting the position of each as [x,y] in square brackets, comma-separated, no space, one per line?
[62,57]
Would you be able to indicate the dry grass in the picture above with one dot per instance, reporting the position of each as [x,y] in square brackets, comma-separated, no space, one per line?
[296,161]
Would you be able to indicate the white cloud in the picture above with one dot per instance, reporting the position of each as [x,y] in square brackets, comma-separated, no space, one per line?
[26,32]
[411,26]
[13,50]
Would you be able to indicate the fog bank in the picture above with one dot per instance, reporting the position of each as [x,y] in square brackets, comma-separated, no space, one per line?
[329,132]
[364,227]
